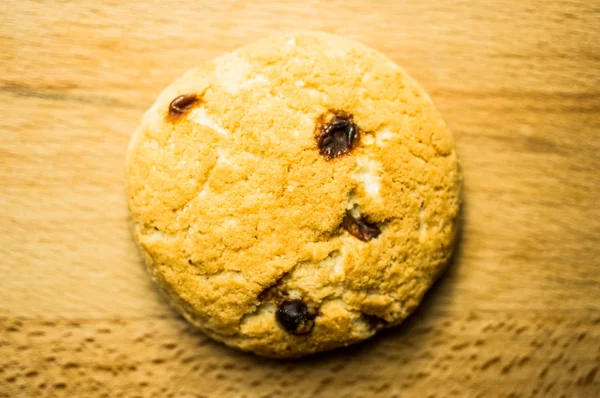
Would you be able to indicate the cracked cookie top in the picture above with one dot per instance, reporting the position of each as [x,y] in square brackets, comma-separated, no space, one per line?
[295,195]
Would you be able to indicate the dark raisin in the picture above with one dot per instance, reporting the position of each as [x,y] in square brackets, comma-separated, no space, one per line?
[182,104]
[337,137]
[360,228]
[294,317]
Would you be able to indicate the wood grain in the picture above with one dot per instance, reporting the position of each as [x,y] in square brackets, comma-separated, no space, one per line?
[518,313]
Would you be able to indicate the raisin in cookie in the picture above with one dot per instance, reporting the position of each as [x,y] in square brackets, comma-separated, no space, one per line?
[296,195]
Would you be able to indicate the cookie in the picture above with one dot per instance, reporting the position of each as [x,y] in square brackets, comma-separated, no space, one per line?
[296,195]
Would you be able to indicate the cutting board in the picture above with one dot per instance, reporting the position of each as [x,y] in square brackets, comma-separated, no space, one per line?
[516,315]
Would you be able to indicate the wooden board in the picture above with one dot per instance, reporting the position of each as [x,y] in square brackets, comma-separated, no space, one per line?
[518,313]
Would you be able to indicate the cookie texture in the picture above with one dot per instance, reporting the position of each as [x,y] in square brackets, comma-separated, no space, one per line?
[293,196]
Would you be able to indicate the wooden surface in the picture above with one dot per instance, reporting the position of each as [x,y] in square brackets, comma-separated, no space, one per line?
[517,315]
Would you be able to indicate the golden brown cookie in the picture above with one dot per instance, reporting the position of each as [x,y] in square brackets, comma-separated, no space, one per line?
[296,195]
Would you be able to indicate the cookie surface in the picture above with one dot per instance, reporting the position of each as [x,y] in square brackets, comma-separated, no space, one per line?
[293,196]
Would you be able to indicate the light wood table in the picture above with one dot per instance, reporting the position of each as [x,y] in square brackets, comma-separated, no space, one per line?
[518,313]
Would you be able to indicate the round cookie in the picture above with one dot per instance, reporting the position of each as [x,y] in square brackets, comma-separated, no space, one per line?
[293,196]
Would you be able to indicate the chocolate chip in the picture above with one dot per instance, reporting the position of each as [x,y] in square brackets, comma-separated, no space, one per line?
[360,228]
[182,104]
[337,137]
[294,316]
